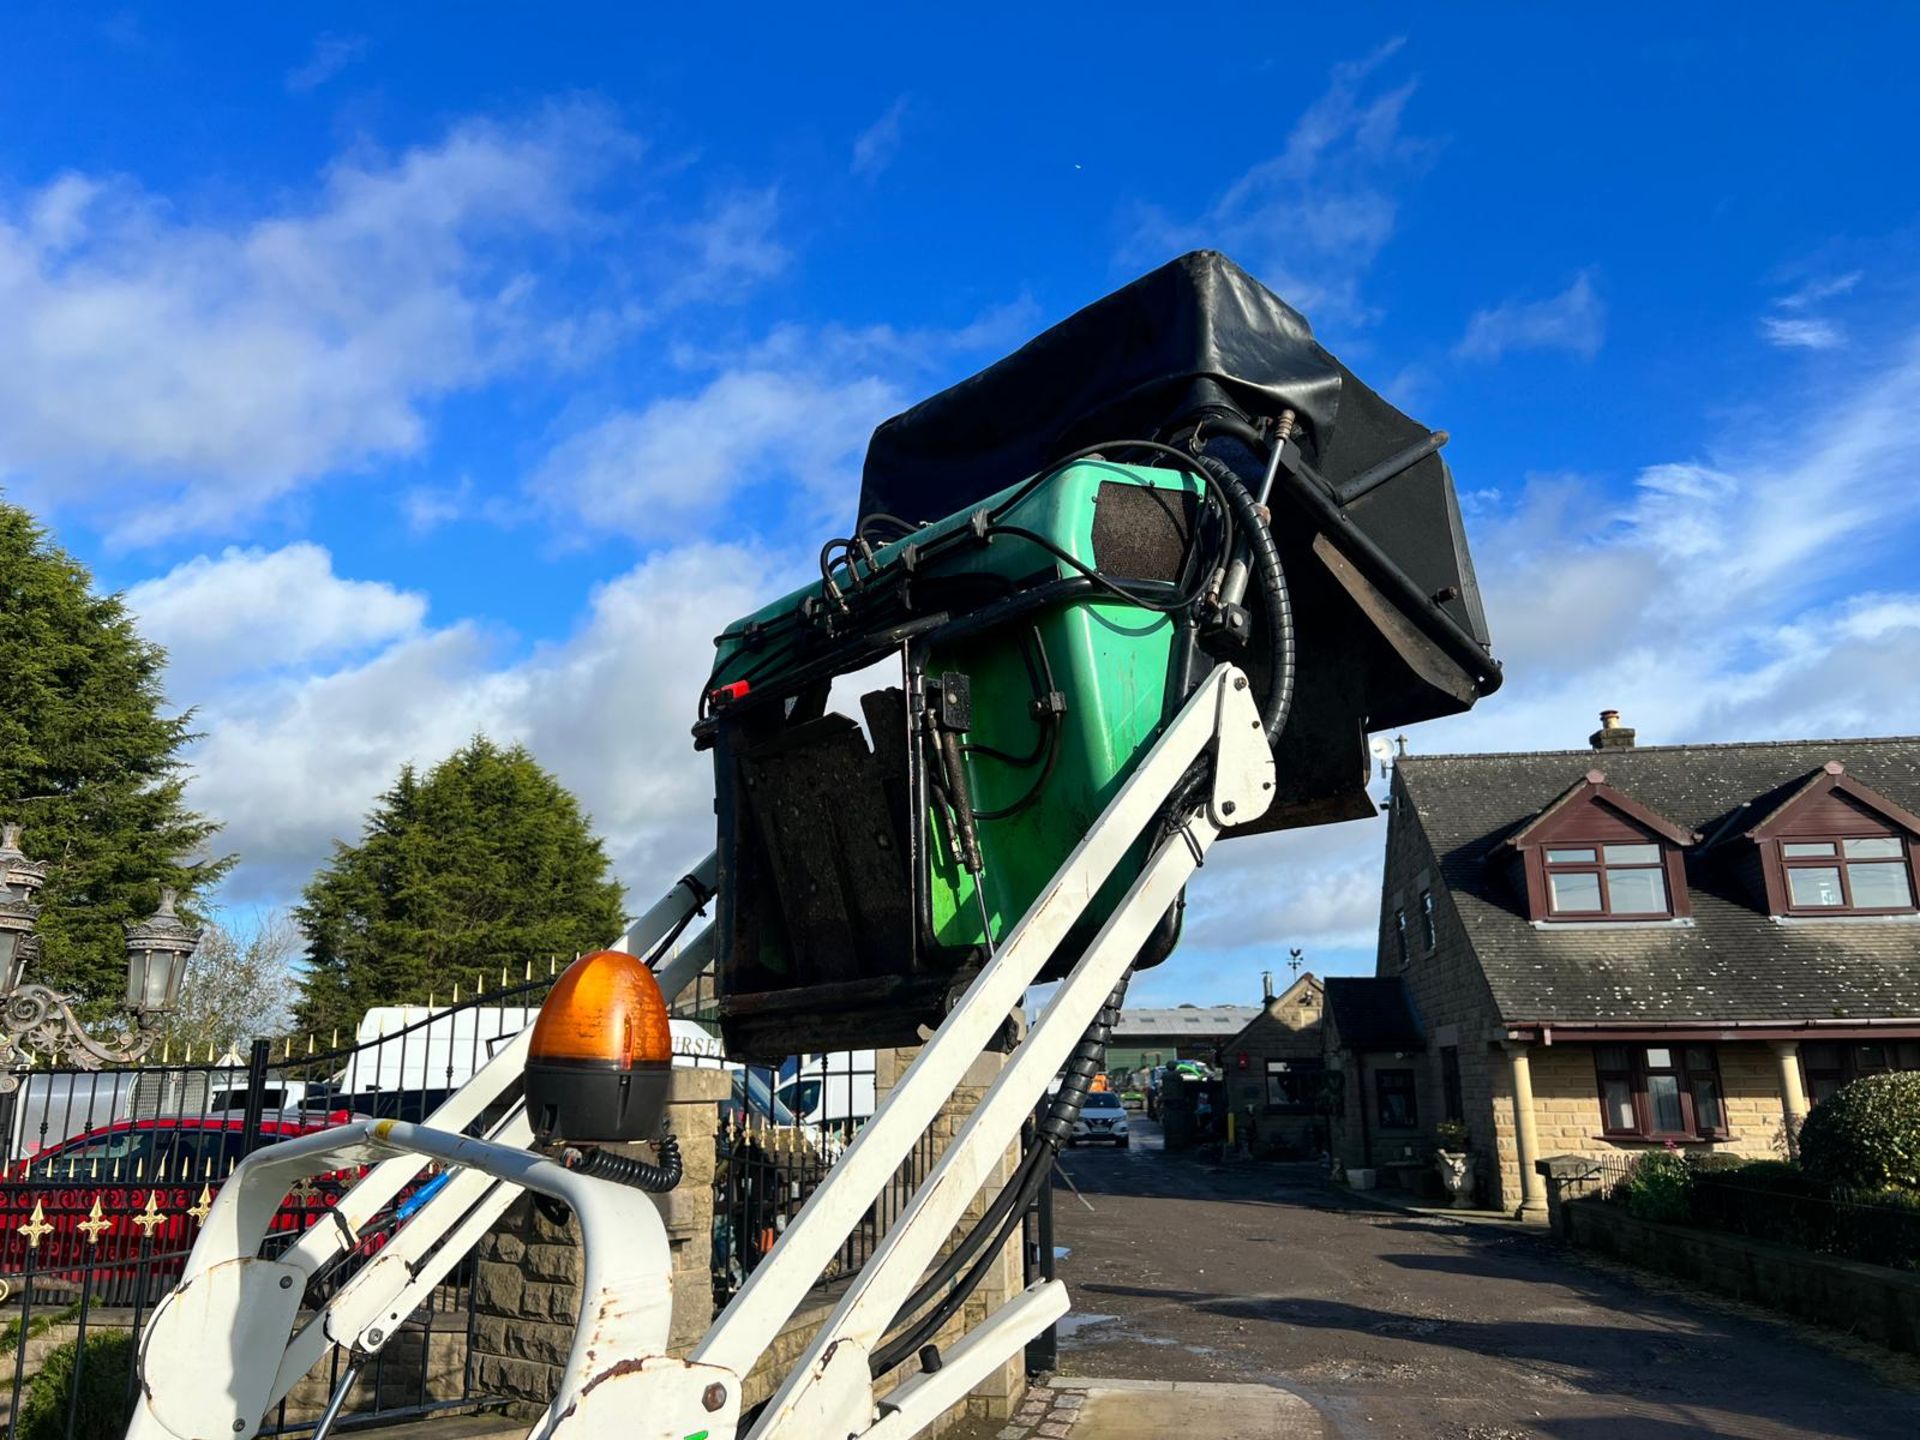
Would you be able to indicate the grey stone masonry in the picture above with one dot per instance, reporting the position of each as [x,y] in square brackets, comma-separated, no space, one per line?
[527,1281]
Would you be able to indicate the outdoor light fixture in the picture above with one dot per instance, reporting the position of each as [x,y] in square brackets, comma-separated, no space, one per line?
[597,1063]
[34,1018]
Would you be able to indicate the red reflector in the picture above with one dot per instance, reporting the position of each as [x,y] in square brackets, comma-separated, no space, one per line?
[728,693]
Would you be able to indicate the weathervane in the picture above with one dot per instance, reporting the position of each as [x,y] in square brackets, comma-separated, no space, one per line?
[1296,961]
[36,1018]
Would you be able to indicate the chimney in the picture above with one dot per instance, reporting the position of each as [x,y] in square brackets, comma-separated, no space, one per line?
[1266,984]
[1611,735]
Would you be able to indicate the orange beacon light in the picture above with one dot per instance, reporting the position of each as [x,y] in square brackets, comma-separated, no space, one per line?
[597,1065]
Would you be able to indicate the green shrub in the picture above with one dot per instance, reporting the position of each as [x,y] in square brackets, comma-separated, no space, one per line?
[1658,1187]
[103,1410]
[1866,1136]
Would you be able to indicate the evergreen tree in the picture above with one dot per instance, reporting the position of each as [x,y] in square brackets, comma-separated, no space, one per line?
[89,763]
[486,862]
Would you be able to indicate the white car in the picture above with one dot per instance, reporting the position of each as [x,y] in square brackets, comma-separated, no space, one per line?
[1103,1121]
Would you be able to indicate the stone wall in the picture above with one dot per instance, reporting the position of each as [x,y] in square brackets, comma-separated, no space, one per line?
[1288,1028]
[527,1278]
[527,1284]
[1869,1300]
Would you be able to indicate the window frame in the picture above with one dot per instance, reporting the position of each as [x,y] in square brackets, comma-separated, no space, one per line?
[1601,867]
[1400,935]
[1838,861]
[1429,922]
[1639,1070]
[1411,1091]
[1305,1073]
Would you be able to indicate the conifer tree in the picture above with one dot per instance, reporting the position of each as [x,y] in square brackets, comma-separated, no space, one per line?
[89,762]
[486,862]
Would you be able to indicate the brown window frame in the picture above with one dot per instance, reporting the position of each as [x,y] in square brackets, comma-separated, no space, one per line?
[1637,1073]
[1600,866]
[1838,861]
[1829,1065]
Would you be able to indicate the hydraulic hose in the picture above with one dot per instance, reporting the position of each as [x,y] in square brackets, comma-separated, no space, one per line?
[998,1223]
[624,1170]
[1255,532]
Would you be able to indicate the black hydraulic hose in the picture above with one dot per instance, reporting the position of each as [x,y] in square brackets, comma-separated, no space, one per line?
[624,1170]
[1278,701]
[994,1227]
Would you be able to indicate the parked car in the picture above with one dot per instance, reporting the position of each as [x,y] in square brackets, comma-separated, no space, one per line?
[1103,1121]
[118,1167]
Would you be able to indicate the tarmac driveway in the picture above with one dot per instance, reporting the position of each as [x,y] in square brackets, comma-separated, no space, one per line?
[1398,1325]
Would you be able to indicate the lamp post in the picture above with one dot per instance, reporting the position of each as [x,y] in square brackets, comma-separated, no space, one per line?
[34,1017]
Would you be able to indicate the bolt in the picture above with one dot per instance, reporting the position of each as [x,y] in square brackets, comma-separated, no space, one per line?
[1227,807]
[1239,682]
[286,1282]
[715,1397]
[374,1337]
[238,1426]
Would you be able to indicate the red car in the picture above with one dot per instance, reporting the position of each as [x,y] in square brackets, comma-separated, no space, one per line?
[105,1193]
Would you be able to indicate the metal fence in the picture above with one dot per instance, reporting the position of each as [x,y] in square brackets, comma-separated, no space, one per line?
[777,1139]
[110,1175]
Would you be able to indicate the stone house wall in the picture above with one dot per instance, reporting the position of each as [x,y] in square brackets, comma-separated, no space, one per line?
[1288,1028]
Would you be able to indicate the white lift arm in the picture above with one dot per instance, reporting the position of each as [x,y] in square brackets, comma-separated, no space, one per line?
[618,1380]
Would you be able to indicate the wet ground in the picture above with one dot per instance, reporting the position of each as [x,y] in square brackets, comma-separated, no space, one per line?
[1399,1325]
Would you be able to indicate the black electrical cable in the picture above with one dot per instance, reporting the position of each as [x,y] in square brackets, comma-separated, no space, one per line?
[1132,597]
[624,1170]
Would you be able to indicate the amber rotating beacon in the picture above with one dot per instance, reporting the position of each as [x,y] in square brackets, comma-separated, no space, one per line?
[597,1066]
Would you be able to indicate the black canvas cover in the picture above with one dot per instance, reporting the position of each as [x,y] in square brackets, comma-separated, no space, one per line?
[1389,627]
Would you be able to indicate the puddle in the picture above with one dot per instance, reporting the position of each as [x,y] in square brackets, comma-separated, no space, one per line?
[1073,1322]
[1061,1252]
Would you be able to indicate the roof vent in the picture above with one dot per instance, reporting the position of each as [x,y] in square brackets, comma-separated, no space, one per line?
[1611,735]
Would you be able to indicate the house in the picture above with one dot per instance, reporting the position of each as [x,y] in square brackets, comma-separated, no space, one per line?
[1376,1053]
[1148,1037]
[1607,950]
[1275,1069]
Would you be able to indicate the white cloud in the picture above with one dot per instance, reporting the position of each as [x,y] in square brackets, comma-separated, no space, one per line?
[168,375]
[252,610]
[671,467]
[331,54]
[1797,333]
[180,376]
[1730,600]
[1575,320]
[1311,220]
[292,761]
[1815,291]
[875,147]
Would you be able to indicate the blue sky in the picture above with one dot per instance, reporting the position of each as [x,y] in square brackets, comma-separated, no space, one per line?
[464,368]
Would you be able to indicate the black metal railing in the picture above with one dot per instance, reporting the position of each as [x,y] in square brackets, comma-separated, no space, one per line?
[110,1175]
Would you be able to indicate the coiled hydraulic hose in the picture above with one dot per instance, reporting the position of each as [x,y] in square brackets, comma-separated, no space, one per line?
[624,1170]
[1255,532]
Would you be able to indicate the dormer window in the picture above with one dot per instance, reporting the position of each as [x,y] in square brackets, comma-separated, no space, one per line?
[1835,847]
[1867,872]
[1593,881]
[1596,854]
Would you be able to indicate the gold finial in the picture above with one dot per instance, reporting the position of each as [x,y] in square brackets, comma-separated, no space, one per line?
[150,1219]
[202,1207]
[304,1190]
[96,1224]
[35,1226]
[456,992]
[334,1044]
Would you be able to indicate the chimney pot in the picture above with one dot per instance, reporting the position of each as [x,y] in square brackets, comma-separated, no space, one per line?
[1611,735]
